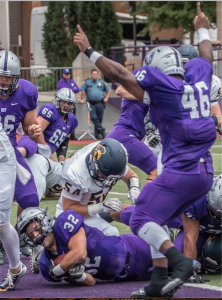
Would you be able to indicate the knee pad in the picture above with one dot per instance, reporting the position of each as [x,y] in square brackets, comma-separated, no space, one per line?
[111,231]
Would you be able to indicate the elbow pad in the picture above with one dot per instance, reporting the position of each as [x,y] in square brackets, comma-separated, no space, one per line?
[63,148]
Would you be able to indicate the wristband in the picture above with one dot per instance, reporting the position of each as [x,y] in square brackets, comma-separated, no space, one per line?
[82,278]
[58,271]
[134,182]
[215,119]
[94,209]
[94,56]
[89,51]
[203,34]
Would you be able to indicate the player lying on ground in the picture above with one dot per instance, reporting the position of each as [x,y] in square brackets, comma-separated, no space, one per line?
[87,178]
[179,103]
[126,257]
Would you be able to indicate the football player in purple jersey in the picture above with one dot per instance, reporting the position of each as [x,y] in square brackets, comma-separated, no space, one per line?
[58,122]
[130,130]
[125,257]
[18,101]
[179,102]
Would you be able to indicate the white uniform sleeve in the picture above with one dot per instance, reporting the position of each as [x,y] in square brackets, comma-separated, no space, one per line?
[215,91]
[71,196]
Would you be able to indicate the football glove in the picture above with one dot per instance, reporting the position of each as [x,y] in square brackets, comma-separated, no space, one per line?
[77,271]
[54,277]
[152,139]
[219,129]
[111,204]
[134,194]
[197,279]
[148,124]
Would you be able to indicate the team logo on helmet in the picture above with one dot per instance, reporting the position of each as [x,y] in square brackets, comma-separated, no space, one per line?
[99,151]
[149,58]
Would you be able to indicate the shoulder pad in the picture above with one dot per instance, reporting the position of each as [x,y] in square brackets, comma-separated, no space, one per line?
[28,87]
[215,88]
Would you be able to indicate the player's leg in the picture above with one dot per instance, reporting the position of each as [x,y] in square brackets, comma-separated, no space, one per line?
[95,120]
[8,234]
[25,196]
[102,225]
[29,145]
[100,111]
[165,198]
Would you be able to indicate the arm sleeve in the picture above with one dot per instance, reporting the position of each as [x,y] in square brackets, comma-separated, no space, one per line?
[106,87]
[75,88]
[48,112]
[83,87]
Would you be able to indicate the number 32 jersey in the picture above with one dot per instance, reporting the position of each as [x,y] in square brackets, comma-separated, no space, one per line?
[15,107]
[57,130]
[181,111]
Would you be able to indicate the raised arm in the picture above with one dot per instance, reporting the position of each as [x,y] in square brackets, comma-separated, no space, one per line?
[202,24]
[109,68]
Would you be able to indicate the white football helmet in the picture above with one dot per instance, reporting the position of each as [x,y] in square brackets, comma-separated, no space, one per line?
[215,198]
[67,95]
[9,67]
[166,59]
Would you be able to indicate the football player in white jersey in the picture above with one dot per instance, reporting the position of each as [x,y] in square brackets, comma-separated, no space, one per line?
[8,235]
[87,178]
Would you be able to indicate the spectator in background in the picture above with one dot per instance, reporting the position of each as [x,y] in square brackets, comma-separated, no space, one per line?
[93,88]
[66,82]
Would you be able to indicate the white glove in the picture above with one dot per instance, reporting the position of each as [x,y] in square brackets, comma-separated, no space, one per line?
[77,270]
[152,139]
[111,204]
[134,194]
[108,205]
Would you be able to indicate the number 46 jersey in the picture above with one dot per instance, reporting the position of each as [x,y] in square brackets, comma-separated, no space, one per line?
[181,111]
[57,130]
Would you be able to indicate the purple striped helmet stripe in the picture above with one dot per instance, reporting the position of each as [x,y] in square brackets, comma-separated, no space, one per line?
[177,59]
[69,93]
[6,61]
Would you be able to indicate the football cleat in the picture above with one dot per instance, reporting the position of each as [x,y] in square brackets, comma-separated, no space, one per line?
[36,255]
[140,293]
[11,280]
[24,249]
[182,271]
[2,254]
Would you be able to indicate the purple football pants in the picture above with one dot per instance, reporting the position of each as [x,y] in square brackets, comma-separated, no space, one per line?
[29,145]
[167,197]
[25,195]
[139,154]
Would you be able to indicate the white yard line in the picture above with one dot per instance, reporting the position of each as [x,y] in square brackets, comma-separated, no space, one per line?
[204,286]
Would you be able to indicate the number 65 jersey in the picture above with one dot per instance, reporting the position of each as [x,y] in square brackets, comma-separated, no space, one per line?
[181,111]
[57,130]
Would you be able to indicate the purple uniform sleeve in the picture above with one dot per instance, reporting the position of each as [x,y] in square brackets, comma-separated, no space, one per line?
[31,93]
[60,84]
[67,225]
[48,112]
[195,211]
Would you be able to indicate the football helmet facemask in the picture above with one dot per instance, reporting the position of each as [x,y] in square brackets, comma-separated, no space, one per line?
[214,199]
[9,67]
[211,254]
[107,162]
[43,222]
[188,52]
[166,59]
[66,95]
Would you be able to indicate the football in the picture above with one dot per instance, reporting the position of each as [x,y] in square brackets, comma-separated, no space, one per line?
[67,276]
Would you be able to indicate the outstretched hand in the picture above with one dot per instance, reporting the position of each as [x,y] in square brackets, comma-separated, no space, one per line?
[81,40]
[201,21]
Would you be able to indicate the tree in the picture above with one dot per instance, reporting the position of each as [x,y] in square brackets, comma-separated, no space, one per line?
[172,14]
[55,35]
[110,33]
[72,12]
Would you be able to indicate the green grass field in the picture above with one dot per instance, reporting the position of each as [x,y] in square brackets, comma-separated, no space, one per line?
[120,191]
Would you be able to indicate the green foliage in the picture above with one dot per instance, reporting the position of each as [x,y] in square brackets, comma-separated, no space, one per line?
[46,83]
[96,18]
[54,35]
[110,30]
[172,14]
